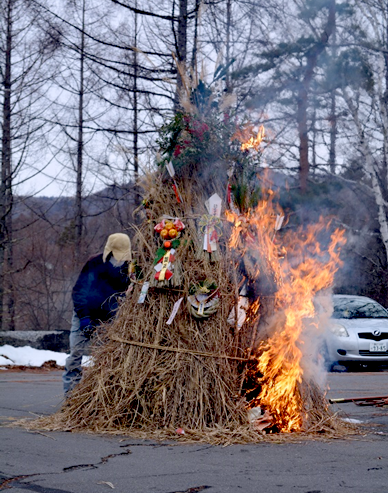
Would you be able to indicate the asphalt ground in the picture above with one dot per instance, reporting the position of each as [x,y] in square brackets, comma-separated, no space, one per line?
[61,462]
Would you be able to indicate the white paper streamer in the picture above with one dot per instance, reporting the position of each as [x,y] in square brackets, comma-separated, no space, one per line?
[170,169]
[143,292]
[174,311]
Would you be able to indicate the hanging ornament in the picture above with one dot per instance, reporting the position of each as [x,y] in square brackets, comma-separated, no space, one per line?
[168,270]
[242,307]
[164,267]
[169,229]
[210,227]
[211,230]
[204,299]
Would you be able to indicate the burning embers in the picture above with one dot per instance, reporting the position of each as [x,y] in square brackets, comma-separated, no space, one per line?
[289,270]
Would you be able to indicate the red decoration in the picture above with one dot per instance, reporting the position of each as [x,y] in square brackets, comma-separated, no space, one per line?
[176,193]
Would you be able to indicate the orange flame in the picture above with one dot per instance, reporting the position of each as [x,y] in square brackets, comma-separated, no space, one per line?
[299,268]
[247,139]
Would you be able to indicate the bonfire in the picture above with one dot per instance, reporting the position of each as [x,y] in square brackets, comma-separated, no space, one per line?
[209,345]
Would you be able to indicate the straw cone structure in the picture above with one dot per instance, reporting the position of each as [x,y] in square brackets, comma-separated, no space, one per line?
[149,378]
[147,375]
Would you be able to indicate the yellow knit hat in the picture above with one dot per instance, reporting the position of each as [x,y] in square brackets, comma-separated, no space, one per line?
[119,245]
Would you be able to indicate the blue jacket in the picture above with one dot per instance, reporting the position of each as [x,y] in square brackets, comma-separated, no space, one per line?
[98,288]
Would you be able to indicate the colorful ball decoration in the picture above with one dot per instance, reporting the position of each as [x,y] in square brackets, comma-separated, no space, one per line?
[169,229]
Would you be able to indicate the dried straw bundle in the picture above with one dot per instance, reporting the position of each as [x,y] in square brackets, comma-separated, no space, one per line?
[149,378]
[318,415]
[135,384]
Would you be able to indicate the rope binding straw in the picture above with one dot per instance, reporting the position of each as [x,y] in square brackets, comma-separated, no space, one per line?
[176,350]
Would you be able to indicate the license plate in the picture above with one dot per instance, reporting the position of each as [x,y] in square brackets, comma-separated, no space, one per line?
[378,347]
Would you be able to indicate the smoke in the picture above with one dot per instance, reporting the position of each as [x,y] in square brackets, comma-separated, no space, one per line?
[312,342]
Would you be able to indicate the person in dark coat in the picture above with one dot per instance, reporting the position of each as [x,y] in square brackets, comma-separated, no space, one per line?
[103,280]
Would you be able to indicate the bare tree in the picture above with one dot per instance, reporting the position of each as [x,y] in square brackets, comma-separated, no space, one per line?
[23,55]
[80,137]
[286,68]
[364,89]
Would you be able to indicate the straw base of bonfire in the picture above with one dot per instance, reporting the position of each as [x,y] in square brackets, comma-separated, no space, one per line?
[184,380]
[320,424]
[326,426]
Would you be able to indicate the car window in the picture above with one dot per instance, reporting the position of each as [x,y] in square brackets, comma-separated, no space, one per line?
[350,308]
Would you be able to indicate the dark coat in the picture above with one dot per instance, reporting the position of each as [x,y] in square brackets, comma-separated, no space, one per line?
[98,288]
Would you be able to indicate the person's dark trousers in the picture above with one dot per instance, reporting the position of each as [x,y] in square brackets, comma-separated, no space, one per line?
[79,346]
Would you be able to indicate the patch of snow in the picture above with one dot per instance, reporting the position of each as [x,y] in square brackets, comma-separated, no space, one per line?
[28,356]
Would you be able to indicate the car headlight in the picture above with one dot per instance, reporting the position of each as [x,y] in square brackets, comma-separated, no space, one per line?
[339,330]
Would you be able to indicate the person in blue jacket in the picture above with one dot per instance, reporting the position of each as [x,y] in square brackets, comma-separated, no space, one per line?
[102,281]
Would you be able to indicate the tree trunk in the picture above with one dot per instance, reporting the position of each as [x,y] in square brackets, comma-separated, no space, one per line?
[10,294]
[314,139]
[384,107]
[304,165]
[137,196]
[333,132]
[181,50]
[135,105]
[80,145]
[195,41]
[302,96]
[6,171]
[371,171]
[227,61]
[333,109]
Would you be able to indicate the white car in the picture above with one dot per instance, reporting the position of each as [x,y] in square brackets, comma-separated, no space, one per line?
[358,331]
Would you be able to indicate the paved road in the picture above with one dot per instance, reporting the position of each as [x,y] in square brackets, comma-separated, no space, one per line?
[82,463]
